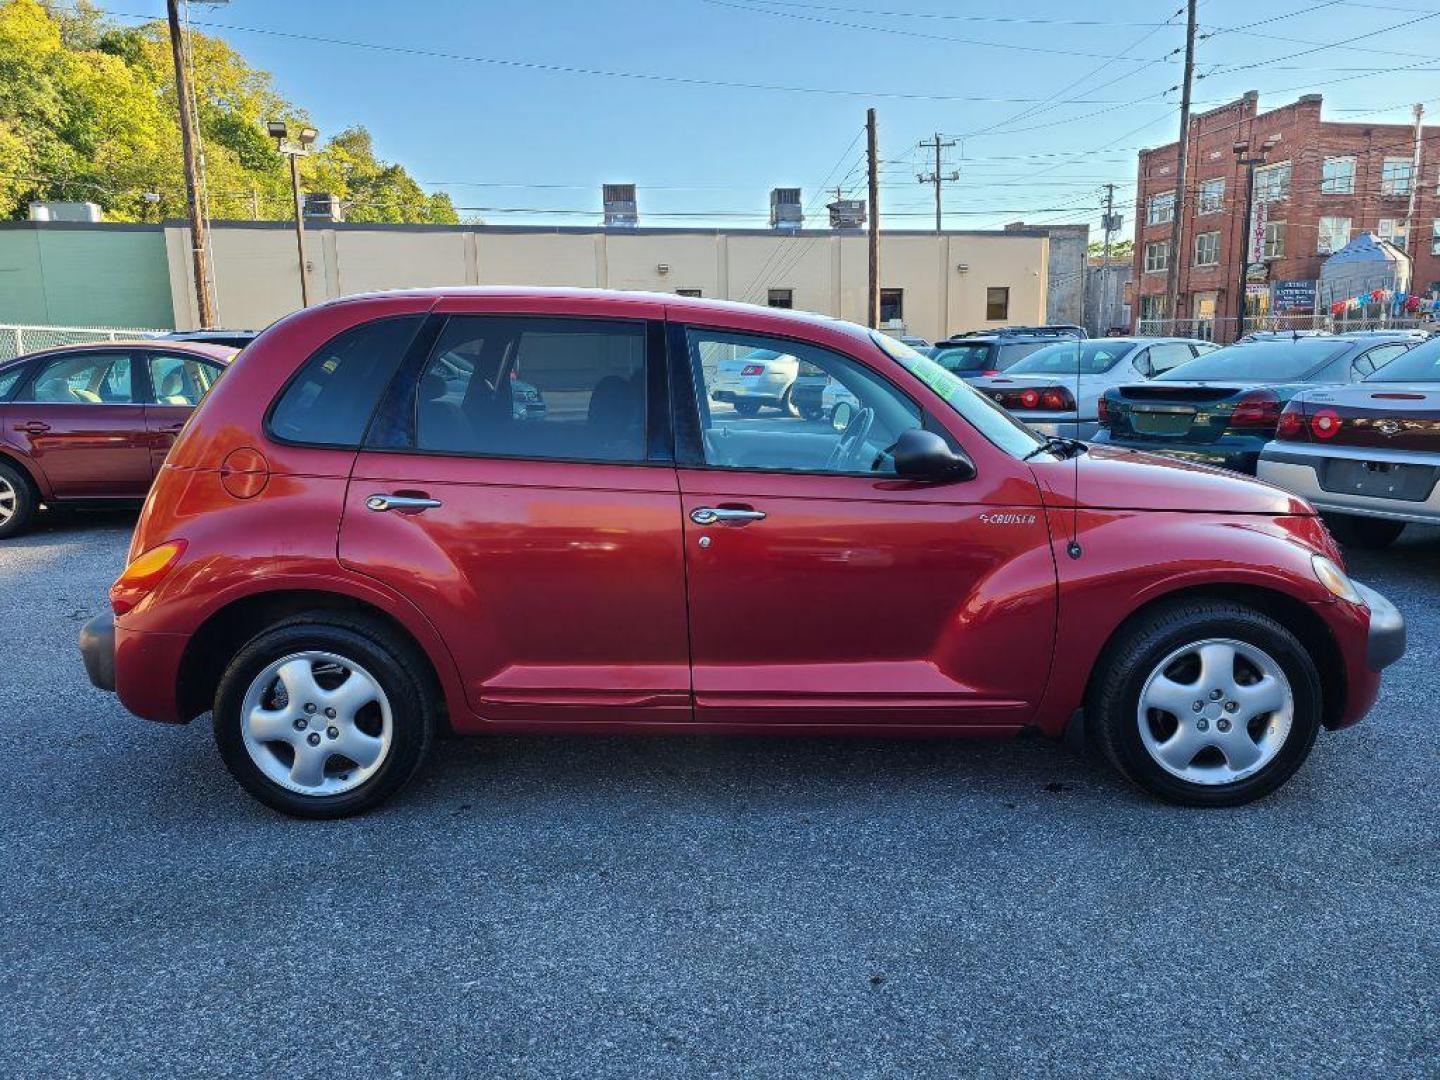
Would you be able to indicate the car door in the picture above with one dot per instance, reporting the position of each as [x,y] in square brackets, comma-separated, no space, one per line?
[176,382]
[81,420]
[544,544]
[823,589]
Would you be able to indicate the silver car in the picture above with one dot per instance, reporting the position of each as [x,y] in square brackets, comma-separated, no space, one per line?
[1057,389]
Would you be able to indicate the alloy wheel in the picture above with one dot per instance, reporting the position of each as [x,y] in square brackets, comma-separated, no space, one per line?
[316,723]
[9,500]
[1215,711]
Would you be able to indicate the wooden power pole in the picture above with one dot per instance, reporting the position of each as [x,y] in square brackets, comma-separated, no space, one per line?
[937,177]
[198,247]
[1415,165]
[873,160]
[1177,225]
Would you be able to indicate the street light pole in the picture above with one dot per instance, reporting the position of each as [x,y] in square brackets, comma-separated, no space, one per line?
[296,145]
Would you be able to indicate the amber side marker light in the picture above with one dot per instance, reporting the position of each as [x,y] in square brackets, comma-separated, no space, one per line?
[142,575]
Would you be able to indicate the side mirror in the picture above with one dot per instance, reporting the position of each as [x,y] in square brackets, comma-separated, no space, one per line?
[923,455]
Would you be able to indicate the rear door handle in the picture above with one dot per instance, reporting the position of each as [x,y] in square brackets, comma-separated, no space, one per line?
[382,503]
[710,515]
[33,427]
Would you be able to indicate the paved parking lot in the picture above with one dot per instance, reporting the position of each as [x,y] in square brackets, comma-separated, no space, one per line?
[707,907]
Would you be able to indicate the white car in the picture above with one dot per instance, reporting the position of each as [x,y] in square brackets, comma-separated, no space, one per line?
[838,404]
[756,379]
[1043,389]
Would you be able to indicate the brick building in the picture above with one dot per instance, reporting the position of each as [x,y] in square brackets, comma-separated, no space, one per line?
[1324,182]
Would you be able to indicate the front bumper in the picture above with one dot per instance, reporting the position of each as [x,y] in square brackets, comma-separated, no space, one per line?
[1386,641]
[97,649]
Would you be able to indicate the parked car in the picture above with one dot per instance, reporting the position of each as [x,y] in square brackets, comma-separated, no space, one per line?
[1042,389]
[337,567]
[84,423]
[231,339]
[807,392]
[975,355]
[757,378]
[1222,408]
[1367,455]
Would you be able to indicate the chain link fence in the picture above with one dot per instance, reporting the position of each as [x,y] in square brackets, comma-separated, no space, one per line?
[17,340]
[1223,331]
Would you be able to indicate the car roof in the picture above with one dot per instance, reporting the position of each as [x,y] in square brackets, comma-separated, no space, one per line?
[221,353]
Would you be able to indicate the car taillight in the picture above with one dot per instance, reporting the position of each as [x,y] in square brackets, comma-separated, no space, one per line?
[1325,424]
[990,371]
[1258,408]
[1030,399]
[1057,399]
[143,574]
[1291,425]
[1102,413]
[753,369]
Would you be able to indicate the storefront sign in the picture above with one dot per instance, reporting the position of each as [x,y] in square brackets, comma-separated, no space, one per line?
[1259,216]
[1295,296]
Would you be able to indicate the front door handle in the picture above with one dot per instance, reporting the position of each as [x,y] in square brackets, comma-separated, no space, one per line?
[33,427]
[382,503]
[710,515]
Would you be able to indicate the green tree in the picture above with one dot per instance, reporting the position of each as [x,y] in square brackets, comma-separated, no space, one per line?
[88,112]
[1120,249]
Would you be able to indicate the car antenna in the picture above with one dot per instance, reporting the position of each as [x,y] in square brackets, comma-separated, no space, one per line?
[1073,549]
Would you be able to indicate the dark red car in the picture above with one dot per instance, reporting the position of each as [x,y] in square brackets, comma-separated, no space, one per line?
[86,423]
[360,541]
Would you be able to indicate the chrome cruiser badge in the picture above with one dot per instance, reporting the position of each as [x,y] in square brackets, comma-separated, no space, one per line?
[993,518]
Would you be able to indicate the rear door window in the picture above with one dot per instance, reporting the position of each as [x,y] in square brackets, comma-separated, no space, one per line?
[533,387]
[330,401]
[1376,359]
[9,380]
[1169,354]
[180,380]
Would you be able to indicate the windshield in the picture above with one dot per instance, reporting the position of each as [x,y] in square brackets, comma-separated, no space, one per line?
[1061,358]
[989,419]
[972,356]
[1259,361]
[1420,364]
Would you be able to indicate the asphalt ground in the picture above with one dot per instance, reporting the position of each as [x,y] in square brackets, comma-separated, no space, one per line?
[667,906]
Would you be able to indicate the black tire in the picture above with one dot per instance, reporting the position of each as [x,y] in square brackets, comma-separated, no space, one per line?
[812,412]
[787,406]
[1364,533]
[26,499]
[747,408]
[395,664]
[1126,664]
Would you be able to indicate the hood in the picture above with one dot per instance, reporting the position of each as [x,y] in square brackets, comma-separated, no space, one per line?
[1118,479]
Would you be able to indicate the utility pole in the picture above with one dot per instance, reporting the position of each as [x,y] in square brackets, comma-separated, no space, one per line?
[873,160]
[1177,225]
[1111,222]
[936,177]
[198,246]
[295,145]
[1248,158]
[1415,164]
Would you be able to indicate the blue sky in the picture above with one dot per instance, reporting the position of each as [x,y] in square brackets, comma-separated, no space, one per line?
[521,134]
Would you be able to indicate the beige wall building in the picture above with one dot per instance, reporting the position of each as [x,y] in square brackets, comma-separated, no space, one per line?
[938,284]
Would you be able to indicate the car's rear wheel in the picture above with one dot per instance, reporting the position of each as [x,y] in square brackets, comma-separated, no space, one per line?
[1367,533]
[1206,703]
[787,405]
[747,408]
[324,715]
[17,500]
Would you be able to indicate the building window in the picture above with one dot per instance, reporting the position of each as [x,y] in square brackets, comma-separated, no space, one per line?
[1272,182]
[1435,237]
[1212,196]
[1207,249]
[1333,234]
[783,298]
[997,302]
[1157,256]
[688,292]
[1274,240]
[1160,208]
[1393,230]
[1395,176]
[1152,308]
[892,305]
[1337,176]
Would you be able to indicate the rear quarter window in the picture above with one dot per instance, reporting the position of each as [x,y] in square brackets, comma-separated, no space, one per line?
[331,398]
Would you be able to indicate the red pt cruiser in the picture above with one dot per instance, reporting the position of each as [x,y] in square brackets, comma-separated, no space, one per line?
[364,537]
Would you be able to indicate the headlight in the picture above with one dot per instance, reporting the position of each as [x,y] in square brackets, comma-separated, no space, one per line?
[1334,579]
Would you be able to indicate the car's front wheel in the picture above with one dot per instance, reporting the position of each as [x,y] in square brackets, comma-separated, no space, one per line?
[17,501]
[1366,533]
[747,408]
[1206,703]
[324,715]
